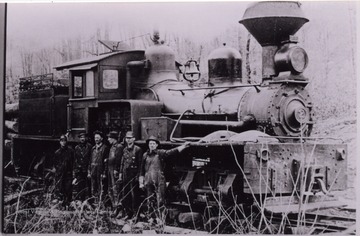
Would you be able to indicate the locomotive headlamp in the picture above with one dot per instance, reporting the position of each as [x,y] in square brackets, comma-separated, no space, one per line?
[292,59]
[191,71]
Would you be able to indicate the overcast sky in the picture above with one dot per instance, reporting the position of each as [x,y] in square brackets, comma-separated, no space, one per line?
[49,21]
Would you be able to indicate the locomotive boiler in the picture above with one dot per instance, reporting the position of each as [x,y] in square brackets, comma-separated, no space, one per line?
[249,141]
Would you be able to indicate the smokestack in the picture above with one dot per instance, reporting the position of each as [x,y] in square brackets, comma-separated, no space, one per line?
[271,24]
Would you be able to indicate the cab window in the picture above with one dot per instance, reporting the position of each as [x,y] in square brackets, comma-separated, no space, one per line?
[90,90]
[83,84]
[110,79]
[78,86]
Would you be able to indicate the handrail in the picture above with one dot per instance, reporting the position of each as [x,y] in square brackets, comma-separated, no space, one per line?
[219,87]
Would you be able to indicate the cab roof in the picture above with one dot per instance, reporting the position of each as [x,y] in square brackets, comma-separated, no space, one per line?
[87,60]
[93,60]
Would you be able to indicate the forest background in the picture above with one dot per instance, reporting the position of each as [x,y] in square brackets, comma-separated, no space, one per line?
[329,39]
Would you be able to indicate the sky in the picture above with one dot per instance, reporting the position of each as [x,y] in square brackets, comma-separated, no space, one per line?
[47,22]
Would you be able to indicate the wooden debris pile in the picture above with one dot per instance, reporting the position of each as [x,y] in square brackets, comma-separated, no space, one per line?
[11,130]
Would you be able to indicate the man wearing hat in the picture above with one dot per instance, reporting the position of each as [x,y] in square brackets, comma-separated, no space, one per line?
[96,170]
[82,159]
[152,171]
[113,166]
[129,174]
[63,169]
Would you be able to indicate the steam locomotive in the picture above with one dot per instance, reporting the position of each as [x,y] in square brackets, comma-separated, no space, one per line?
[249,141]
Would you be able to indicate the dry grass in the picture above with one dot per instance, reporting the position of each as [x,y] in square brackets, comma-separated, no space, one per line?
[41,214]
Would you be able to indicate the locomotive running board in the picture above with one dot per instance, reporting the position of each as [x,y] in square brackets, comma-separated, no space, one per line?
[289,204]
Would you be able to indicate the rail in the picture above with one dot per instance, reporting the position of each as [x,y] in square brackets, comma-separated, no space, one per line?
[320,222]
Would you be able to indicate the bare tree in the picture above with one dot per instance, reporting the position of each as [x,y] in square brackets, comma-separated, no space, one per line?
[26,62]
[44,61]
[352,17]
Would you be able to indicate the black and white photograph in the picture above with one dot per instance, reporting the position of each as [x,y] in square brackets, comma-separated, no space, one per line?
[235,117]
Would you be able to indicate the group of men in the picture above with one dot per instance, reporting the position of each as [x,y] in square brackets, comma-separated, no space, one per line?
[114,172]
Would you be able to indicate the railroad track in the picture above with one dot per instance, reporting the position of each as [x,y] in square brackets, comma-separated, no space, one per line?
[318,222]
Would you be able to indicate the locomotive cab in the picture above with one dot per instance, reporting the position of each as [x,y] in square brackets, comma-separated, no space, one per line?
[98,87]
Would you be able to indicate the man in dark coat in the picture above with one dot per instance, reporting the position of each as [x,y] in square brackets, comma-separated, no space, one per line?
[129,174]
[96,169]
[152,171]
[63,169]
[82,159]
[113,166]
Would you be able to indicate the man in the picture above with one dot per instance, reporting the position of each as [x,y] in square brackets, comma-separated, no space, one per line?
[113,166]
[63,169]
[96,169]
[152,171]
[82,159]
[129,174]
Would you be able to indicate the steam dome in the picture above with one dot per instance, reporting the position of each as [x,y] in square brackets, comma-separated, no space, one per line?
[224,65]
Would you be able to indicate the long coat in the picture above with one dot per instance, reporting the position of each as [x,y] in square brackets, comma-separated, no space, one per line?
[64,164]
[98,159]
[113,164]
[82,161]
[114,160]
[131,162]
[152,168]
[130,166]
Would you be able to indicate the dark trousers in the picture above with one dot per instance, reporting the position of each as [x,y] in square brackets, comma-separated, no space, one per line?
[63,189]
[130,196]
[96,186]
[113,187]
[156,196]
[81,187]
